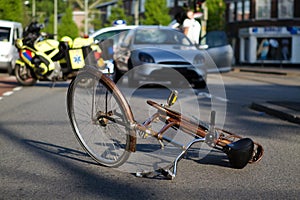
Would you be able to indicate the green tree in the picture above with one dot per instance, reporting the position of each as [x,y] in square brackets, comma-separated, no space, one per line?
[46,7]
[11,10]
[67,26]
[50,25]
[216,15]
[117,13]
[156,13]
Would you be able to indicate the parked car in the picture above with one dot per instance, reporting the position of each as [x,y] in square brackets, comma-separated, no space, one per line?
[153,49]
[107,38]
[221,52]
[9,32]
[109,32]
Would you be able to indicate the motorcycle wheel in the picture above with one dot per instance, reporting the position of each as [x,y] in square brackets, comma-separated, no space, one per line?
[25,75]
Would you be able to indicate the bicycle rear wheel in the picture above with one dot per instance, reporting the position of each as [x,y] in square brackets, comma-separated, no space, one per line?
[100,118]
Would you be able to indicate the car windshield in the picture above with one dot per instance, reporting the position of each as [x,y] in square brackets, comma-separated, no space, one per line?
[160,36]
[4,34]
[109,34]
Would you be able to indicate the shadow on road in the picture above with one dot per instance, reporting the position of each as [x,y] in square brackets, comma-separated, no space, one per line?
[60,151]
[77,180]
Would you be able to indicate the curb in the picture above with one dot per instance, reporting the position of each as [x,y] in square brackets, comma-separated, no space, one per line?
[277,111]
[265,70]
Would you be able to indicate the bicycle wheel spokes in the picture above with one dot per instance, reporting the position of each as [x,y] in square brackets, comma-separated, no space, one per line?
[98,120]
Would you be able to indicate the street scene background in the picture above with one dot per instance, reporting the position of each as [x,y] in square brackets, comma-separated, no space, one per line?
[40,157]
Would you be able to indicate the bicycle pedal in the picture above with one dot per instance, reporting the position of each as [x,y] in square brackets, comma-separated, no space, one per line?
[168,174]
[157,174]
[144,174]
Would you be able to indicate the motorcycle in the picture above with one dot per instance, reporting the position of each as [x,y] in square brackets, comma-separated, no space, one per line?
[45,59]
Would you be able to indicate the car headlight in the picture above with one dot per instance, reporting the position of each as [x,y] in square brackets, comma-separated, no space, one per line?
[146,58]
[198,59]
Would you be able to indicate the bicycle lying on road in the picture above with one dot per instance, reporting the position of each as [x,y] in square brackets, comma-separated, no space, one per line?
[104,125]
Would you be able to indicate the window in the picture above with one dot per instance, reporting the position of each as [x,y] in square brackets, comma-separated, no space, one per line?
[239,15]
[16,35]
[182,2]
[4,34]
[246,10]
[231,12]
[160,36]
[285,9]
[215,39]
[263,9]
[108,11]
[142,6]
[170,3]
[110,34]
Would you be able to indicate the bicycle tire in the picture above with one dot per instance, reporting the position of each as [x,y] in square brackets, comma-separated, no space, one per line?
[100,117]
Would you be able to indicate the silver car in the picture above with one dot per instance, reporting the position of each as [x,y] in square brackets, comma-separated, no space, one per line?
[155,52]
[218,48]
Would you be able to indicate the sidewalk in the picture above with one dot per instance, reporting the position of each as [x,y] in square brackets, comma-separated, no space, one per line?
[286,110]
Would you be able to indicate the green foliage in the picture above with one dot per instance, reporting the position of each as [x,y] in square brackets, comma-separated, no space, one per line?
[50,25]
[67,26]
[216,15]
[11,10]
[156,13]
[117,13]
[95,22]
[46,7]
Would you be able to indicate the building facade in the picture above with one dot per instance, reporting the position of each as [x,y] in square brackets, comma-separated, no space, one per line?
[133,6]
[264,31]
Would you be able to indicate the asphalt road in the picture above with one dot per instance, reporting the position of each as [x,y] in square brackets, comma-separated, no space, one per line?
[41,159]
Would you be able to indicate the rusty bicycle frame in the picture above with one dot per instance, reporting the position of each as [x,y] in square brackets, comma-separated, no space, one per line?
[201,132]
[215,137]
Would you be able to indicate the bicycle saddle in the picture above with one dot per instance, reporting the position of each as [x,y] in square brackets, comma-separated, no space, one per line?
[240,152]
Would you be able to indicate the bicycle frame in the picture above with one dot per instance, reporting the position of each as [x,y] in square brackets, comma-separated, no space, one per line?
[188,126]
[200,131]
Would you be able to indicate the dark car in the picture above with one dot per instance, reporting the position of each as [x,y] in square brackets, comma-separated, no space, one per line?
[151,50]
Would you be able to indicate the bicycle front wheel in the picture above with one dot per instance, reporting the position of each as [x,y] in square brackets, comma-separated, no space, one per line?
[100,118]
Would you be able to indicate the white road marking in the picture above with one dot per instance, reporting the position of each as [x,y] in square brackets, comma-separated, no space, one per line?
[207,95]
[7,93]
[17,88]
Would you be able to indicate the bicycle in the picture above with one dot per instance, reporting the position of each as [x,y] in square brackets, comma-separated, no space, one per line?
[113,136]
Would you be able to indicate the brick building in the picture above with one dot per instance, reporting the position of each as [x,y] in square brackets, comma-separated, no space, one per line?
[264,31]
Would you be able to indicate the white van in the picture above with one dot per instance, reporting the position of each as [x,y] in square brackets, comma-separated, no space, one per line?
[9,32]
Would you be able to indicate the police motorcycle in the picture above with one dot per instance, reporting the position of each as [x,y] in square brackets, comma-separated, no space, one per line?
[45,59]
